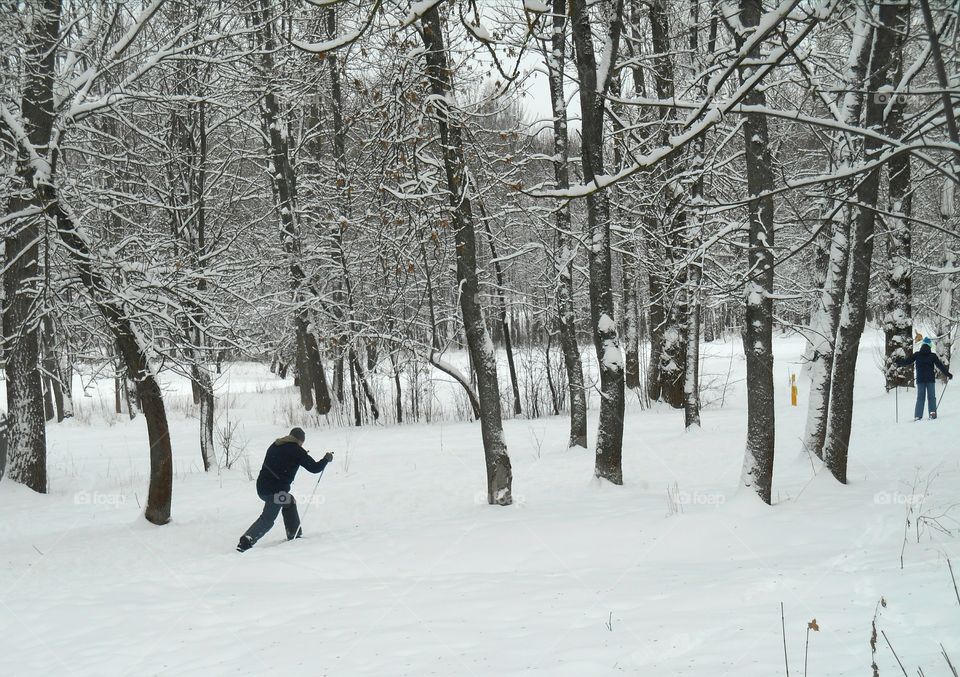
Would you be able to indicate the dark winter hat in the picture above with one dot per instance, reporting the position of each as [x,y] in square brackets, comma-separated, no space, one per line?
[298,434]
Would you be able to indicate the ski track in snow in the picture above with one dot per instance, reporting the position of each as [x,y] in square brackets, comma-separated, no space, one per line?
[406,571]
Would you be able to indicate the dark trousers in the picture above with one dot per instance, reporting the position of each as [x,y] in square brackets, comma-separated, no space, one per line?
[926,391]
[273,505]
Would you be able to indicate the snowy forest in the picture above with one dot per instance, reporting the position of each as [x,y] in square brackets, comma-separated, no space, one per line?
[636,229]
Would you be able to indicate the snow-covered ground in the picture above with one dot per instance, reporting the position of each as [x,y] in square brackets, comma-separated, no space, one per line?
[406,571]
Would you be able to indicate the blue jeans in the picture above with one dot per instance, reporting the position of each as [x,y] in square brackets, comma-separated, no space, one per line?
[273,505]
[928,391]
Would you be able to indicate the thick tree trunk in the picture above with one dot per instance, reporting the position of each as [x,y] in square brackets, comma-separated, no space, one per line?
[27,447]
[892,19]
[609,446]
[672,339]
[898,315]
[499,472]
[565,253]
[673,348]
[758,331]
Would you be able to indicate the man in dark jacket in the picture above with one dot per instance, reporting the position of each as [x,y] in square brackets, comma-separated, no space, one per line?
[925,361]
[284,457]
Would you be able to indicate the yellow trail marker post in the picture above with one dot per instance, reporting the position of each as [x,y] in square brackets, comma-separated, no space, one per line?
[793,390]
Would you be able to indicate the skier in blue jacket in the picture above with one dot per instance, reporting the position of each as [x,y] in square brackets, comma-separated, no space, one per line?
[925,360]
[284,457]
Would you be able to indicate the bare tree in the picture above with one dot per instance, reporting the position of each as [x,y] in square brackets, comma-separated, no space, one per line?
[595,79]
[555,56]
[312,378]
[499,473]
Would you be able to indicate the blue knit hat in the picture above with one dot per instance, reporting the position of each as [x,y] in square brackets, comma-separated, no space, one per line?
[927,341]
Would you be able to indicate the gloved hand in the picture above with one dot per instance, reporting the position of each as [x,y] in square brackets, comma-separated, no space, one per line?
[328,456]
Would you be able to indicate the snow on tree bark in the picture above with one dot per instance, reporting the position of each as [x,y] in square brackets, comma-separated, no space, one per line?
[480,347]
[594,82]
[26,436]
[670,266]
[945,324]
[898,303]
[758,330]
[691,388]
[630,278]
[891,20]
[565,252]
[837,216]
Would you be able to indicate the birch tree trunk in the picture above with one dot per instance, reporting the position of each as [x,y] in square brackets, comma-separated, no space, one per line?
[499,472]
[892,19]
[593,87]
[826,312]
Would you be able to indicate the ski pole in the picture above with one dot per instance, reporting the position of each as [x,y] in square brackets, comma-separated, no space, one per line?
[310,502]
[942,394]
